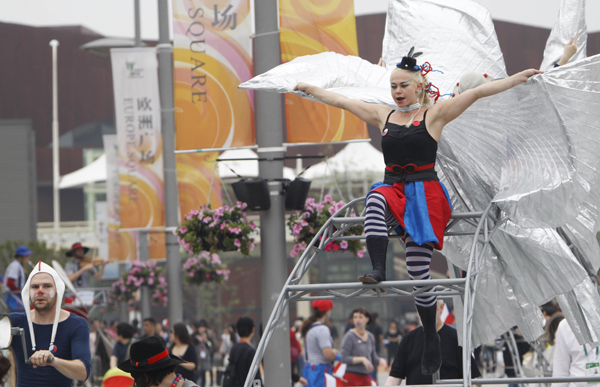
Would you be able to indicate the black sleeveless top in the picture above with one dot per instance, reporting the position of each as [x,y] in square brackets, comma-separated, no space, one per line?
[403,145]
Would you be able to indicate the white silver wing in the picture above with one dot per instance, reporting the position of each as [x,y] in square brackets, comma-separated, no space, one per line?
[570,22]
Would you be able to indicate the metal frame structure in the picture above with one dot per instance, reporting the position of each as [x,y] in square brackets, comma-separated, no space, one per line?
[481,225]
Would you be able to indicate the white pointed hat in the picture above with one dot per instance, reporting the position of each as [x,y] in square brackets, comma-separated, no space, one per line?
[41,267]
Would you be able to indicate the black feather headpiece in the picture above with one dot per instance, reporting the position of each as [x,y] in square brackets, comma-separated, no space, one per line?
[409,62]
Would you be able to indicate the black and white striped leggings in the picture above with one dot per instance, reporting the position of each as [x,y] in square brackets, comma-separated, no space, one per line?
[418,257]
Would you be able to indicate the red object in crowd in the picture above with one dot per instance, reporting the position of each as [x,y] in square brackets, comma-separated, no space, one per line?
[295,348]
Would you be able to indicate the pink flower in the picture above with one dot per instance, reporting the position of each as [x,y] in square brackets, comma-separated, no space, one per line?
[174,232]
[223,225]
[234,230]
[183,229]
[194,212]
[207,275]
[344,244]
[191,275]
[294,252]
[150,281]
[306,215]
[327,199]
[207,219]
[296,230]
[360,253]
[251,247]
[237,243]
[252,225]
[215,257]
[331,210]
[336,247]
[303,223]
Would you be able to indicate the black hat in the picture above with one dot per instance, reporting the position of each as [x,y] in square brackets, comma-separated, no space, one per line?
[75,247]
[409,62]
[149,354]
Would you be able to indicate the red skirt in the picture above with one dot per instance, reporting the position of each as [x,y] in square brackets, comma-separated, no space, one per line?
[422,208]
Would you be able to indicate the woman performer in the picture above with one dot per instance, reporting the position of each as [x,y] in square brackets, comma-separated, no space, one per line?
[318,344]
[358,351]
[411,195]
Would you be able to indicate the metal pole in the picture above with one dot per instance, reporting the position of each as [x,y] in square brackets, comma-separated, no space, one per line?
[165,79]
[269,123]
[55,154]
[144,253]
[138,39]
[123,307]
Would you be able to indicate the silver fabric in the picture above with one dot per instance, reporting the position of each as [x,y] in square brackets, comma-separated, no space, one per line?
[531,151]
[456,37]
[347,75]
[571,22]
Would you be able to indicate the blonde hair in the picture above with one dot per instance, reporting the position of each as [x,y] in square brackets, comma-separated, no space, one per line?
[423,98]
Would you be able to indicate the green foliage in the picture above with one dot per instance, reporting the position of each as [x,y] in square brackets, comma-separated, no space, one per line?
[40,250]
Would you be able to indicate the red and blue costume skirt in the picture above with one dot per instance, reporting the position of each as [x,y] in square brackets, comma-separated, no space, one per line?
[422,208]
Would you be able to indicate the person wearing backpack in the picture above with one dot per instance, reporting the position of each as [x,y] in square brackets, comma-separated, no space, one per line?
[241,355]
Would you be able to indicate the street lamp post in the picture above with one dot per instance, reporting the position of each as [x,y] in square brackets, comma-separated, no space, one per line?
[55,155]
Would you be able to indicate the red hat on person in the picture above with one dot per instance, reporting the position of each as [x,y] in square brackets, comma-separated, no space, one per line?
[322,305]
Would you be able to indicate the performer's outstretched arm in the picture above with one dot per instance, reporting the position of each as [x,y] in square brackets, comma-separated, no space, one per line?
[372,114]
[444,112]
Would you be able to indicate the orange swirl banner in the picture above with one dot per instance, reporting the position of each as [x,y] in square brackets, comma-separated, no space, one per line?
[311,27]
[212,56]
[194,178]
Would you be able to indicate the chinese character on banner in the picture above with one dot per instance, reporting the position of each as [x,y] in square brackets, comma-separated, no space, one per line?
[225,19]
[139,137]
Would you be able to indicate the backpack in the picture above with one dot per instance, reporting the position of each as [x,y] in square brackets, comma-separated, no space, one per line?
[230,378]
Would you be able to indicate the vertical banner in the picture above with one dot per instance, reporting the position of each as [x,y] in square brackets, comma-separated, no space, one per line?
[122,246]
[137,119]
[311,27]
[212,56]
[102,229]
[197,183]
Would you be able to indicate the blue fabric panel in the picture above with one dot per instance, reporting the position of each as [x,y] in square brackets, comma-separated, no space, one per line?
[416,216]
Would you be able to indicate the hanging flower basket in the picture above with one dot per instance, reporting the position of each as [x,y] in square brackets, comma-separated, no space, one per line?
[305,224]
[205,268]
[222,229]
[140,273]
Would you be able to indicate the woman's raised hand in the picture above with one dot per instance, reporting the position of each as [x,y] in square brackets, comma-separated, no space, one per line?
[526,74]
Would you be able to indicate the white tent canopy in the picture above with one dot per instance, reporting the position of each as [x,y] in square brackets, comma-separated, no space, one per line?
[355,160]
[96,171]
[244,168]
[91,173]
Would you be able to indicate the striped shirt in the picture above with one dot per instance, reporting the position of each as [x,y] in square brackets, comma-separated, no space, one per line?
[317,338]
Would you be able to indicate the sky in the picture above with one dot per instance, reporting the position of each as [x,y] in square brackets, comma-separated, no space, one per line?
[115,17]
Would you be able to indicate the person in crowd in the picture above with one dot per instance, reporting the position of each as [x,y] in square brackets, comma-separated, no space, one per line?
[151,365]
[94,328]
[112,330]
[228,340]
[57,342]
[319,353]
[411,196]
[79,273]
[407,363]
[242,353]
[359,351]
[572,359]
[551,328]
[149,329]
[14,279]
[377,331]
[392,340]
[349,324]
[204,344]
[183,347]
[162,332]
[334,332]
[122,348]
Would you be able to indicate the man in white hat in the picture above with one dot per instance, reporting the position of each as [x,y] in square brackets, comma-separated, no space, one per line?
[57,341]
